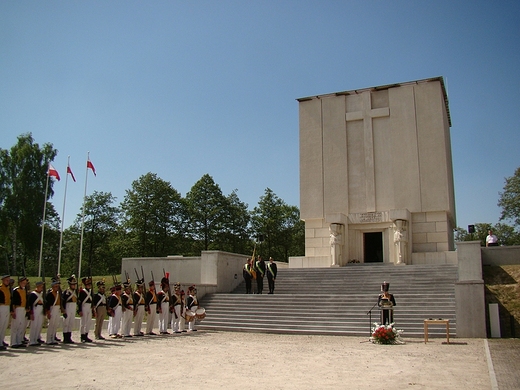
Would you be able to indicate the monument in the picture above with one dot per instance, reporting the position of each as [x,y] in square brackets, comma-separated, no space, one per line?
[376,178]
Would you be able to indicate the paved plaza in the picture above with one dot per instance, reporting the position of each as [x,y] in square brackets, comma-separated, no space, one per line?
[225,360]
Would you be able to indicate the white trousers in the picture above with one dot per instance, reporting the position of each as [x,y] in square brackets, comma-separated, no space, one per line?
[138,320]
[54,321]
[86,319]
[114,323]
[176,318]
[36,325]
[191,324]
[18,326]
[163,317]
[5,313]
[68,323]
[128,315]
[150,321]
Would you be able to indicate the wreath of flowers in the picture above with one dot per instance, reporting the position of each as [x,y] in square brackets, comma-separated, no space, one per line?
[385,334]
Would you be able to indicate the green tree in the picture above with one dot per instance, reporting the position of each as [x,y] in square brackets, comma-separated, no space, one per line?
[280,226]
[99,230]
[235,236]
[154,216]
[510,199]
[207,208]
[23,177]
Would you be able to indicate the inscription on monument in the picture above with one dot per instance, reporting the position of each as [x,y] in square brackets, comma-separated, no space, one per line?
[371,217]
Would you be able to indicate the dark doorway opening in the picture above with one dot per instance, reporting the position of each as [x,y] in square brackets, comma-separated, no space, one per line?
[373,247]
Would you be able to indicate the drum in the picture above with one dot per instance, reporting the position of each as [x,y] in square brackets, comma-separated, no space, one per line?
[200,314]
[190,316]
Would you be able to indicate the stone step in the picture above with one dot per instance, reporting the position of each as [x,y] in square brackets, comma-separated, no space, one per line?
[300,305]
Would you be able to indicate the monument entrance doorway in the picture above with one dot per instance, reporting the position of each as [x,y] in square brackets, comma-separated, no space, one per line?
[373,247]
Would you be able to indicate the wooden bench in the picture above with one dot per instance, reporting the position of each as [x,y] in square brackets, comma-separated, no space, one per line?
[437,321]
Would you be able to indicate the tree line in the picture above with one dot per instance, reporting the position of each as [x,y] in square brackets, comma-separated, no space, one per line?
[153,220]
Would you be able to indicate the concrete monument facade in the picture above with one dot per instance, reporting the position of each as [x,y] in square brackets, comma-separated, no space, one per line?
[376,178]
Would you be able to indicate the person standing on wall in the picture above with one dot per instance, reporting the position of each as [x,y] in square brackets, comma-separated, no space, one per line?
[491,239]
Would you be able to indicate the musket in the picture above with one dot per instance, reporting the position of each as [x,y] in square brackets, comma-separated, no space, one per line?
[170,306]
[130,285]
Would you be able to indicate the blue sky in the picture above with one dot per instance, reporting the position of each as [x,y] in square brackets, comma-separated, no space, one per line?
[185,88]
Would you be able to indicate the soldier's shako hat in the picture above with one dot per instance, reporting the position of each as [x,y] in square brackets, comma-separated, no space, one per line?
[177,286]
[165,281]
[5,276]
[38,283]
[100,283]
[21,279]
[126,284]
[87,280]
[72,280]
[139,282]
[385,286]
[55,281]
[151,283]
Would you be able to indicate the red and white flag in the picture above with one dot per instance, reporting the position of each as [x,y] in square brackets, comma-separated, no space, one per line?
[91,166]
[53,172]
[70,171]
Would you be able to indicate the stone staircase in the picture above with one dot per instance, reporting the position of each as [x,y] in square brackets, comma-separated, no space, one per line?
[335,301]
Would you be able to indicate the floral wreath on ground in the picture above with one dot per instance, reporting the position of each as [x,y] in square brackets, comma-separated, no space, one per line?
[386,334]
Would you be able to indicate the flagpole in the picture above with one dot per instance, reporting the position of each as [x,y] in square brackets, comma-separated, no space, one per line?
[83,218]
[43,224]
[63,213]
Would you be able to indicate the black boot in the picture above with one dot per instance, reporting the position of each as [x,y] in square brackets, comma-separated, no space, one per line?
[67,338]
[87,339]
[83,338]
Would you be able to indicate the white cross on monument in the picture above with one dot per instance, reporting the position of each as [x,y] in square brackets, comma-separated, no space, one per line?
[366,115]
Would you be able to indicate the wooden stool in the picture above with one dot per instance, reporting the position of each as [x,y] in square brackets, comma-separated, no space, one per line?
[438,321]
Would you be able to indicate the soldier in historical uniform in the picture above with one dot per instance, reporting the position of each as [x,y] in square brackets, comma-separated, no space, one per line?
[127,304]
[69,301]
[386,302]
[85,309]
[99,309]
[271,272]
[115,311]
[260,272]
[139,307]
[53,310]
[163,305]
[151,308]
[18,313]
[177,305]
[192,304]
[5,308]
[35,304]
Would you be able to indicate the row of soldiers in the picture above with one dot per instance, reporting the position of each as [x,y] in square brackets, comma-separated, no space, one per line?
[256,270]
[123,306]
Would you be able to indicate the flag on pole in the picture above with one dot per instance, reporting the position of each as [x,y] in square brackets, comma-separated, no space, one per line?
[53,172]
[70,171]
[91,166]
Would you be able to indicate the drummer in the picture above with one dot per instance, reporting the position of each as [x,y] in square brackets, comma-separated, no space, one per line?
[192,304]
[386,302]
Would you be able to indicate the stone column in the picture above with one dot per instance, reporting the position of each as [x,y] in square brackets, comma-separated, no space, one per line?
[401,241]
[336,243]
[469,291]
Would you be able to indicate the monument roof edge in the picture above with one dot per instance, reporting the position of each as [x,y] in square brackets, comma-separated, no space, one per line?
[387,86]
